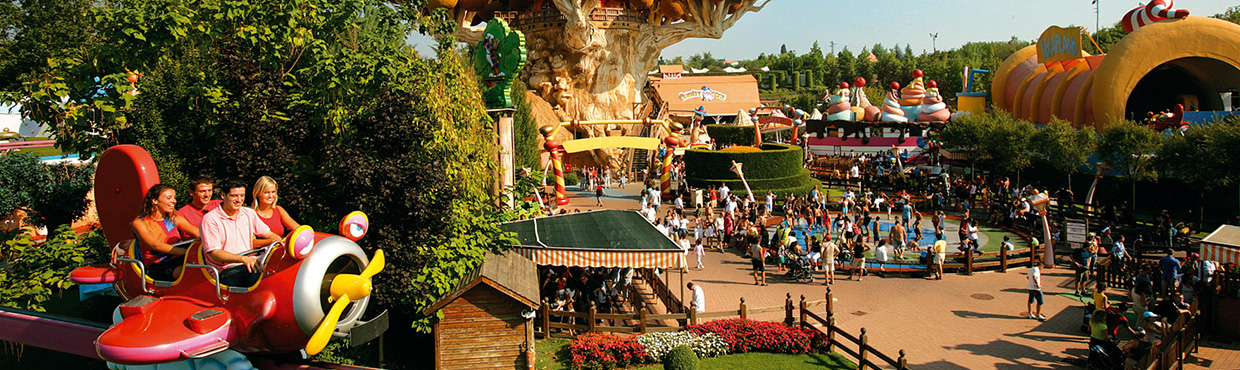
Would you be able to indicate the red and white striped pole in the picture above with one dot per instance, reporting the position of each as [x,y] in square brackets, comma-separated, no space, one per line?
[553,148]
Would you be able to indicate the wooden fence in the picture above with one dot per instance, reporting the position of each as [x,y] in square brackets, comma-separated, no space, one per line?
[1184,338]
[837,339]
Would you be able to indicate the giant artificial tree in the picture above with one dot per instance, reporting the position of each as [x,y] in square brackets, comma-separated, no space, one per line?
[594,67]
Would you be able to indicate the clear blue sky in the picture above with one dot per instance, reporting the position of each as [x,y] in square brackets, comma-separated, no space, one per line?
[860,24]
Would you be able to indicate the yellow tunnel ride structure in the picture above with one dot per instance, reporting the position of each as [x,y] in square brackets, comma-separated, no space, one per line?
[1188,60]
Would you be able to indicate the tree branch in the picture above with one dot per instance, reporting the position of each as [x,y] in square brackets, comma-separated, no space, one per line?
[465,32]
[705,19]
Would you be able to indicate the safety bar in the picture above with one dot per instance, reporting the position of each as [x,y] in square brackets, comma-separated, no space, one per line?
[215,274]
[141,272]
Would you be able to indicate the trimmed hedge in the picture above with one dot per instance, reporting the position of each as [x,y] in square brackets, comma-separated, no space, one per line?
[736,134]
[774,161]
[800,183]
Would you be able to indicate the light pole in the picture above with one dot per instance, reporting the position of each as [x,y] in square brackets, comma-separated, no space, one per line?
[934,37]
[1096,6]
[736,168]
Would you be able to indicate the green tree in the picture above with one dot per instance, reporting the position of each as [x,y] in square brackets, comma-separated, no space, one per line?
[997,141]
[525,130]
[1129,148]
[1204,156]
[51,195]
[1063,146]
[36,30]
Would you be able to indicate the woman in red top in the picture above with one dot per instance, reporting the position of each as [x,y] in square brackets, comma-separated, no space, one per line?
[274,216]
[156,230]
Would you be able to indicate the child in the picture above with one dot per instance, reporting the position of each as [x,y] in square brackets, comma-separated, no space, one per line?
[699,250]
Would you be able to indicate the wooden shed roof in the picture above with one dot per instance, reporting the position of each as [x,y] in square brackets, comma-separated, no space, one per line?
[508,272]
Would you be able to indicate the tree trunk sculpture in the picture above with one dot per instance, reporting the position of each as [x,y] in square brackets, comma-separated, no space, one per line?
[589,58]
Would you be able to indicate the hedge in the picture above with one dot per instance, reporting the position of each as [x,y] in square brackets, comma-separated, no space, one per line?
[736,134]
[800,183]
[774,161]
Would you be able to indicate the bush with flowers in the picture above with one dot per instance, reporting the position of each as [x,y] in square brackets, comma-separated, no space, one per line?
[745,335]
[594,351]
[706,345]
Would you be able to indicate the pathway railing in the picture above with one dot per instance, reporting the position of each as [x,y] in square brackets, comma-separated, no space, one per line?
[1184,338]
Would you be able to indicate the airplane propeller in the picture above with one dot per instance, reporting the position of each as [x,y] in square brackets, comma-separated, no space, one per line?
[345,288]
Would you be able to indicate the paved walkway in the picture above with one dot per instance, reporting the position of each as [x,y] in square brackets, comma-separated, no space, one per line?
[960,322]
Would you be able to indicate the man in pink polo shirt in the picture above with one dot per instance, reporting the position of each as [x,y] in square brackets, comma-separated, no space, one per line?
[200,193]
[229,231]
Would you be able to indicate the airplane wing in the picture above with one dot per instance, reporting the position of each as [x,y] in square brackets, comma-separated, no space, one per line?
[157,330]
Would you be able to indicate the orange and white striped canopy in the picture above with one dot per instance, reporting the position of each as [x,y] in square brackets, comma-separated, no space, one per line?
[1223,245]
[596,258]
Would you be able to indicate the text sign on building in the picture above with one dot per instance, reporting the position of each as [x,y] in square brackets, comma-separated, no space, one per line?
[1059,44]
[706,94]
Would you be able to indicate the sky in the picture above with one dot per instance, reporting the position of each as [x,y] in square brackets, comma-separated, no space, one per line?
[860,24]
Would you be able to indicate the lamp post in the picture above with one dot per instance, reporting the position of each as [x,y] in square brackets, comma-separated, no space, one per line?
[934,37]
[736,168]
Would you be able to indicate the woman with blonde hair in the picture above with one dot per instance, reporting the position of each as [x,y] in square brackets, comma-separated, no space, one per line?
[156,229]
[274,216]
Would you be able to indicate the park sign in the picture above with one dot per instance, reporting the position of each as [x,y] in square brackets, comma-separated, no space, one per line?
[1058,44]
[1076,230]
[499,58]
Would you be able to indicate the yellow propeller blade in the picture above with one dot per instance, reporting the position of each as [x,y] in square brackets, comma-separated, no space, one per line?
[319,339]
[376,265]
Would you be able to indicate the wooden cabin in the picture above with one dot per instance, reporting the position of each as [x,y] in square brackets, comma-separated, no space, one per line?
[488,318]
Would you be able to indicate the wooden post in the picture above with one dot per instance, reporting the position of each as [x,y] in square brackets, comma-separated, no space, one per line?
[692,313]
[830,334]
[968,259]
[641,323]
[590,319]
[862,350]
[788,309]
[902,362]
[830,303]
[546,319]
[1002,259]
[744,311]
[803,316]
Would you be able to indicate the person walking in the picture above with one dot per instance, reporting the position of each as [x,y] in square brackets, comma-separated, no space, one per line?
[1035,291]
[759,264]
[829,250]
[698,297]
[699,250]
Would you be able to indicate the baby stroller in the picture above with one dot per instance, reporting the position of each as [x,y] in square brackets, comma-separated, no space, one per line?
[798,268]
[1104,358]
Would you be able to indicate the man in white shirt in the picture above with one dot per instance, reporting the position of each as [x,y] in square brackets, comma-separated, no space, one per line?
[723,191]
[1035,291]
[699,298]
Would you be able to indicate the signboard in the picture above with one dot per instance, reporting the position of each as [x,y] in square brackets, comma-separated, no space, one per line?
[1059,44]
[1076,230]
[706,94]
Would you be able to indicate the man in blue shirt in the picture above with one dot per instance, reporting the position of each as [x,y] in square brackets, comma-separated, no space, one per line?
[1170,267]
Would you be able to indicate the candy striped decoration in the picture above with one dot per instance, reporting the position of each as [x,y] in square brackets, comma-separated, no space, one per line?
[1155,11]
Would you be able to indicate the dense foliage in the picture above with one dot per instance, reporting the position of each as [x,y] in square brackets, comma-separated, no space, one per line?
[324,96]
[51,195]
[997,141]
[777,168]
[1063,146]
[30,273]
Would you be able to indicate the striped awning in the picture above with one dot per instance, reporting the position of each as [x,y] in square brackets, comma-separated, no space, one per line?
[595,258]
[1222,245]
[1220,253]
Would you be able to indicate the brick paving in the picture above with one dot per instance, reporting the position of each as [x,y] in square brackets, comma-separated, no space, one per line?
[960,322]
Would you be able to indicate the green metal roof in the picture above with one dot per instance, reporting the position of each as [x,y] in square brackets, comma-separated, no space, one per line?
[594,230]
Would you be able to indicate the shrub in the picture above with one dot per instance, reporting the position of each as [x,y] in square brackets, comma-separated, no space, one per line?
[659,344]
[680,358]
[744,335]
[30,273]
[51,195]
[602,352]
[775,160]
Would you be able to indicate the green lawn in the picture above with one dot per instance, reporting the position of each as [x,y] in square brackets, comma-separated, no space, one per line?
[552,354]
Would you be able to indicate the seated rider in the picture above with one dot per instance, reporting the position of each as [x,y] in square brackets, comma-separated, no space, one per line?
[276,217]
[156,229]
[231,230]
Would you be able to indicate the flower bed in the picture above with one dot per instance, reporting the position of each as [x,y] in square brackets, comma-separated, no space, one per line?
[602,352]
[706,345]
[744,335]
